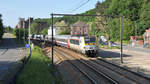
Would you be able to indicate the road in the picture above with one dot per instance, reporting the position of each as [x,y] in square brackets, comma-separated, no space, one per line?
[135,58]
[9,53]
[136,48]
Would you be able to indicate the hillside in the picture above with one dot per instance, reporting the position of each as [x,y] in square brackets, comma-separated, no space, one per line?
[136,18]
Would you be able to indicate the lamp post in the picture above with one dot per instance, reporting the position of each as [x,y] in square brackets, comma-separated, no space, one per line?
[29,38]
[29,31]
[24,30]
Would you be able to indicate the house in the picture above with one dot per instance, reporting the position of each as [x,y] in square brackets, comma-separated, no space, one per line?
[20,23]
[136,40]
[146,36]
[80,28]
[55,30]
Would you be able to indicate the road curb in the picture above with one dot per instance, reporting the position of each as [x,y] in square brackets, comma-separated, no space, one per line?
[16,71]
[24,61]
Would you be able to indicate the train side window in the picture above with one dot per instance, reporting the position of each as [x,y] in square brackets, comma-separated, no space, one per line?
[77,42]
[72,41]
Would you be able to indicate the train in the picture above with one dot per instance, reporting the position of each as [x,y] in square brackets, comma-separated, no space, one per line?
[83,44]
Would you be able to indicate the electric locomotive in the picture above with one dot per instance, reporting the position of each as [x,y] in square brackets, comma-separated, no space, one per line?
[84,44]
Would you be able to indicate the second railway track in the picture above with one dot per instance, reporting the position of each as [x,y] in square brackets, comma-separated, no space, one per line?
[114,73]
[95,76]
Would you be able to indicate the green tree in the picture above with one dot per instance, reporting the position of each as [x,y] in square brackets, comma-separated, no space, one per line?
[128,29]
[34,28]
[44,31]
[62,27]
[1,27]
[144,22]
[8,29]
[20,33]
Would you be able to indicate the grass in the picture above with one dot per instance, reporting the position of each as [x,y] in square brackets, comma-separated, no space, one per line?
[38,70]
[123,41]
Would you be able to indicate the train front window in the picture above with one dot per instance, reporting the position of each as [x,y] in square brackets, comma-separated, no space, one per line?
[90,40]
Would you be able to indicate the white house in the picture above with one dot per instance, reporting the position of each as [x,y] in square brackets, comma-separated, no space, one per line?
[54,31]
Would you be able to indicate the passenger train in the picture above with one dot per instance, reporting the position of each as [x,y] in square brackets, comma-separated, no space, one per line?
[84,44]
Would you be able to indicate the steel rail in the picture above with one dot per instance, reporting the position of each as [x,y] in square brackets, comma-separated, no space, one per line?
[129,71]
[90,66]
[68,68]
[134,73]
[84,73]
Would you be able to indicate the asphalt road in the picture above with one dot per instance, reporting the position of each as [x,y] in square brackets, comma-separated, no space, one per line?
[136,48]
[9,53]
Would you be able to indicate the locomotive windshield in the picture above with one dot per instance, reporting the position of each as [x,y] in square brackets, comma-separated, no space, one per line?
[90,40]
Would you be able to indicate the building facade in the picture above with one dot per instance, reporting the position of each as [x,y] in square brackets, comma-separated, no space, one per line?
[146,36]
[80,28]
[24,23]
[55,31]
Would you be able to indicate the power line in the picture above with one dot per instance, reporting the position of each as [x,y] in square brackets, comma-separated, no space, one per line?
[80,5]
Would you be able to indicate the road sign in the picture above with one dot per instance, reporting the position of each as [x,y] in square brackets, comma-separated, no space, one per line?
[27,46]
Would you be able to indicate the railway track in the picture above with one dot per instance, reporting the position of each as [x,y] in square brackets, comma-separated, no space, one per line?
[95,76]
[114,72]
[77,67]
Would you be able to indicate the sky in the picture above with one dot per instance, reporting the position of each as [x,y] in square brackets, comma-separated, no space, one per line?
[12,10]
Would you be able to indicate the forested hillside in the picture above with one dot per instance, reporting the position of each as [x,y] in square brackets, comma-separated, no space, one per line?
[136,19]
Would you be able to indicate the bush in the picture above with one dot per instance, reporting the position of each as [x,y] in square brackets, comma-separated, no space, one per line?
[20,33]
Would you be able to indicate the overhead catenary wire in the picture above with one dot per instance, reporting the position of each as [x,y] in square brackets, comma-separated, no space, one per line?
[80,5]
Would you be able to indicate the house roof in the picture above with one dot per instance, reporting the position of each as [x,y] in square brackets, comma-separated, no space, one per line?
[79,23]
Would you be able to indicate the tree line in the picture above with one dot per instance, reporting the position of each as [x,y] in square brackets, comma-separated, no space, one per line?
[136,19]
[1,27]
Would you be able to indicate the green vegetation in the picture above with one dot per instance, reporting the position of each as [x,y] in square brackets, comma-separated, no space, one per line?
[44,31]
[1,28]
[19,33]
[8,29]
[34,25]
[34,28]
[136,19]
[62,28]
[38,71]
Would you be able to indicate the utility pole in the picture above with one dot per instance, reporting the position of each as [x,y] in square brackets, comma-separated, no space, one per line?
[29,31]
[29,38]
[121,35]
[24,30]
[52,40]
[19,35]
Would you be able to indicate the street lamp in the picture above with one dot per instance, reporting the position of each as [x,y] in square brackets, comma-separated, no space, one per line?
[29,38]
[24,30]
[29,31]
